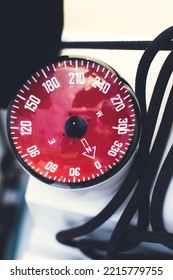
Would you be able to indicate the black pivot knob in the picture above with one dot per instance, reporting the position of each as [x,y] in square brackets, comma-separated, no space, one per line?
[75,127]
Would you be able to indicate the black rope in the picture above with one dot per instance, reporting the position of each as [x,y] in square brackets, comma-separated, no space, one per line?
[142,174]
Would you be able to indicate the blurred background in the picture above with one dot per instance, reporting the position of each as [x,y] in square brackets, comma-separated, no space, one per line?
[33,33]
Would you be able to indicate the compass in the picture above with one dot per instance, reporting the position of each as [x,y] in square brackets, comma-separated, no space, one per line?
[74,123]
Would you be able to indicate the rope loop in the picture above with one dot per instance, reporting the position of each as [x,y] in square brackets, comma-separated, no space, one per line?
[147,174]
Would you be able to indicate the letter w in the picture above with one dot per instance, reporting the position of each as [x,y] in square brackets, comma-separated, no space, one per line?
[99,114]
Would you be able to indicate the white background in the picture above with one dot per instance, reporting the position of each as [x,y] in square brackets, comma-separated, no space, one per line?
[116,19]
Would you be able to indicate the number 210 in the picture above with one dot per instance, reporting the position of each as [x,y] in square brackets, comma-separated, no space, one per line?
[76,78]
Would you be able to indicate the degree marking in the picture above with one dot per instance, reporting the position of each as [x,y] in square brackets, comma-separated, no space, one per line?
[14,106]
[26,87]
[44,73]
[97,68]
[54,68]
[65,65]
[14,127]
[122,87]
[107,73]
[19,147]
[34,79]
[24,156]
[21,97]
[76,64]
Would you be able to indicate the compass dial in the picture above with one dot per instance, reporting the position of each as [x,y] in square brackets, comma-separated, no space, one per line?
[74,123]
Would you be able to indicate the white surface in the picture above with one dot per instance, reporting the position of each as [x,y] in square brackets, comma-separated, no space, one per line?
[116,20]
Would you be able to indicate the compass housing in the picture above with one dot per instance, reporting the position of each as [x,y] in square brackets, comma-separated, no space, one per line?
[75,123]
